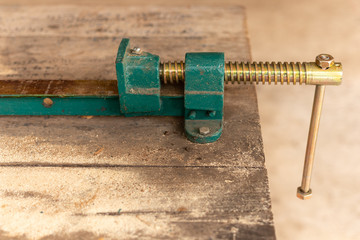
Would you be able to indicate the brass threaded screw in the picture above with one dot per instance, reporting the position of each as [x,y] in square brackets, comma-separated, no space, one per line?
[265,72]
[246,72]
[172,72]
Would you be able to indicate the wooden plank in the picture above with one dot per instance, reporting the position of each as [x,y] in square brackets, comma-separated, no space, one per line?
[115,177]
[146,202]
[70,42]
[63,88]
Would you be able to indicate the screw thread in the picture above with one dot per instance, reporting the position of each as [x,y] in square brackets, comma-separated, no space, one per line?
[172,72]
[246,72]
[265,72]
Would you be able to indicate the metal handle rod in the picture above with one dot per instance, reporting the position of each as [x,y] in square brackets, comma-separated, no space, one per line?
[304,192]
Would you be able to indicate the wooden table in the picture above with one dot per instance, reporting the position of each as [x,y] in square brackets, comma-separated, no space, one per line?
[127,178]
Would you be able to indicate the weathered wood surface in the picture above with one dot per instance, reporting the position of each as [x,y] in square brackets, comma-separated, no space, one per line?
[127,178]
[40,42]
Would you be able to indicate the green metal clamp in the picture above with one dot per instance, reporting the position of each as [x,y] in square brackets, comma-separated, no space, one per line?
[202,101]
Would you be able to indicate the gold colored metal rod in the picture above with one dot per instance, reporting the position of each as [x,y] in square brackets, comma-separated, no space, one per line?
[248,72]
[304,192]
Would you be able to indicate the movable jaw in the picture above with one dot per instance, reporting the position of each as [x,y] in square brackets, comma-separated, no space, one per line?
[204,96]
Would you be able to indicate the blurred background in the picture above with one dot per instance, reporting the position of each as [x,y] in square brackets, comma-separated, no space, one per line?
[283,30]
[299,30]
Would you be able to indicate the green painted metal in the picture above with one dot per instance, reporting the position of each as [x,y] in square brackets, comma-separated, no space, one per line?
[204,95]
[139,94]
[61,106]
[192,130]
[138,81]
[85,105]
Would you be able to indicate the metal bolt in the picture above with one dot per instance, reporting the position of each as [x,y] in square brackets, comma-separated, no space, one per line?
[324,61]
[136,50]
[192,115]
[47,102]
[324,57]
[204,130]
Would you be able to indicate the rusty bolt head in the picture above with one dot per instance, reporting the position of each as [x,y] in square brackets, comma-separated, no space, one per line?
[324,61]
[302,195]
[204,130]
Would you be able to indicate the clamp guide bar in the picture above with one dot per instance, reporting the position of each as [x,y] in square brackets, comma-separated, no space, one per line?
[68,97]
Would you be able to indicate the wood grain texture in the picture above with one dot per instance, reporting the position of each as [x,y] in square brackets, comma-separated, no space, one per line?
[61,88]
[127,178]
[80,43]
